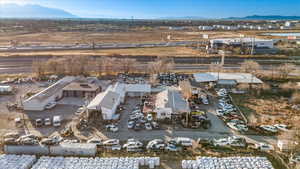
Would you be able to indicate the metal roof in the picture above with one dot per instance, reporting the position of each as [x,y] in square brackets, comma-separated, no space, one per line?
[172,98]
[239,77]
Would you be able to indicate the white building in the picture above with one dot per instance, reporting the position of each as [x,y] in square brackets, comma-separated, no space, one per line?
[258,43]
[205,28]
[138,90]
[170,102]
[108,101]
[5,89]
[54,92]
[240,78]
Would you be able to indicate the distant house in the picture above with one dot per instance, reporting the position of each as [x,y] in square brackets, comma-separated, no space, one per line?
[137,90]
[53,93]
[170,102]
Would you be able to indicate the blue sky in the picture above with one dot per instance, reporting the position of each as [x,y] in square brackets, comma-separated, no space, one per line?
[170,8]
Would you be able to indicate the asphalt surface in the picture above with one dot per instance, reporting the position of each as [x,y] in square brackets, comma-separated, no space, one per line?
[23,64]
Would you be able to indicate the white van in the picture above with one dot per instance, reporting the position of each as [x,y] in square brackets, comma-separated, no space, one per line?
[183,141]
[56,121]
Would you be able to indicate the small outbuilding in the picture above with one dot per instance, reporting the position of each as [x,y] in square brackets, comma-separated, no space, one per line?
[81,89]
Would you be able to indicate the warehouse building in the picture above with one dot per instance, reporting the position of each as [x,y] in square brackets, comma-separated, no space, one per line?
[170,102]
[226,80]
[53,93]
[108,101]
[81,89]
[258,43]
[138,90]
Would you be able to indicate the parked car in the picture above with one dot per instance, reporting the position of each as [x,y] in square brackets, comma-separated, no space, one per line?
[80,110]
[50,105]
[156,144]
[133,145]
[111,142]
[221,142]
[96,141]
[38,122]
[269,128]
[148,126]
[281,127]
[130,124]
[47,122]
[112,128]
[264,147]
[173,148]
[47,141]
[155,125]
[182,141]
[149,117]
[56,121]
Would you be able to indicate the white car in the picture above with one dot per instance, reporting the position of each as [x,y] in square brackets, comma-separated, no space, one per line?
[221,142]
[281,127]
[148,126]
[50,105]
[149,117]
[156,144]
[47,121]
[269,128]
[56,121]
[133,145]
[80,110]
[96,141]
[111,142]
[112,128]
[182,141]
[264,147]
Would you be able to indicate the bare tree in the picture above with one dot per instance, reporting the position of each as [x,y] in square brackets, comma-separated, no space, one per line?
[186,88]
[39,68]
[250,66]
[286,69]
[127,64]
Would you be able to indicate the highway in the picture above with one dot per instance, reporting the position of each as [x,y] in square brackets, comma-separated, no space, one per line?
[95,46]
[23,64]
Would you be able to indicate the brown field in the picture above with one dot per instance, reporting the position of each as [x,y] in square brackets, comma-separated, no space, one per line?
[48,38]
[156,51]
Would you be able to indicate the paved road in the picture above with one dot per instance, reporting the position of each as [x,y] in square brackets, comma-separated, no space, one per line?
[96,46]
[23,64]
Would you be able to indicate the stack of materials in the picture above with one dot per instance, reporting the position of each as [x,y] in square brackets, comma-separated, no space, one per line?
[96,163]
[228,163]
[16,161]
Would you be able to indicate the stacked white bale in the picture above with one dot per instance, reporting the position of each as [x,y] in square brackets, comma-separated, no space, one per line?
[228,163]
[16,161]
[92,163]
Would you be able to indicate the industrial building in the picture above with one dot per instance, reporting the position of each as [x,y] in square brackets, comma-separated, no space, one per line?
[81,89]
[256,43]
[170,102]
[53,93]
[108,101]
[226,79]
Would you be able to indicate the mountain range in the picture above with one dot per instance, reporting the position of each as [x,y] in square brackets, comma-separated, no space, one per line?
[265,17]
[32,11]
[37,11]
